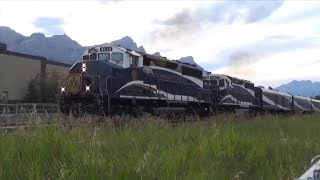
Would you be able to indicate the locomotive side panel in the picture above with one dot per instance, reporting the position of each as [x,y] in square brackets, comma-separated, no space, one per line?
[315,105]
[302,104]
[232,93]
[276,101]
[159,84]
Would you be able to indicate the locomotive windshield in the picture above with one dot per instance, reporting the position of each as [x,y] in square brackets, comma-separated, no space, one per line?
[117,58]
[214,82]
[104,57]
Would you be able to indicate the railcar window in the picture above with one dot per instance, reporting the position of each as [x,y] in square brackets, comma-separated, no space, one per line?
[117,58]
[104,56]
[93,56]
[85,57]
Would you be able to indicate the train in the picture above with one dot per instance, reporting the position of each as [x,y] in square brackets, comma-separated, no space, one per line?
[233,94]
[111,79]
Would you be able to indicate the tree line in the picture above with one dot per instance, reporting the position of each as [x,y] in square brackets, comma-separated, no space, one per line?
[43,88]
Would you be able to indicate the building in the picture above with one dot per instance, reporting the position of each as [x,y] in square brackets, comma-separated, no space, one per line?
[17,69]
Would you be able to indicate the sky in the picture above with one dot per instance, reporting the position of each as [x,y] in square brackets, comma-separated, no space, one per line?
[266,42]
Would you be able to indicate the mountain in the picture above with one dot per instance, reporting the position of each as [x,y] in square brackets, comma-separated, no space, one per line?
[128,42]
[190,60]
[305,88]
[62,48]
[157,54]
[10,36]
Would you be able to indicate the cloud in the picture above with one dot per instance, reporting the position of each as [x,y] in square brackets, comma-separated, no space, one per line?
[110,1]
[258,50]
[226,12]
[273,60]
[241,63]
[50,25]
[274,68]
[183,25]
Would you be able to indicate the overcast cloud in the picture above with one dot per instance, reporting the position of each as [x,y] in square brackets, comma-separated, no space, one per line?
[267,42]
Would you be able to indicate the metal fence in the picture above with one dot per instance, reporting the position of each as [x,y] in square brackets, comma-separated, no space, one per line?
[19,113]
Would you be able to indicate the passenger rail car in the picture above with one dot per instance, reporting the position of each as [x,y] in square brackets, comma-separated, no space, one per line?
[115,80]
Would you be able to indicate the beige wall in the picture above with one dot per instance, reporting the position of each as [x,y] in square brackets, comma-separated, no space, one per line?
[15,74]
[61,70]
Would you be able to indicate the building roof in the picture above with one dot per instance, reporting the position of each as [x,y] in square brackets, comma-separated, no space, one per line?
[3,50]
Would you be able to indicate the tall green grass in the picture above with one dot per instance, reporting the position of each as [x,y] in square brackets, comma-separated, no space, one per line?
[224,147]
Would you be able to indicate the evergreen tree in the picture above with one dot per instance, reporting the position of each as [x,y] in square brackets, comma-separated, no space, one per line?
[43,88]
[33,94]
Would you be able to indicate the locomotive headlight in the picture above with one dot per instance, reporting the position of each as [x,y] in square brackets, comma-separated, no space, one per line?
[84,67]
[87,88]
[63,89]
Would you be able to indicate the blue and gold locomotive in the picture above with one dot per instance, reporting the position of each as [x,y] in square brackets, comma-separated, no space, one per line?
[113,80]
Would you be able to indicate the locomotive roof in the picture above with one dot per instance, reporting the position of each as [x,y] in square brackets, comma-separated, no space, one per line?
[146,55]
[159,58]
[275,92]
[232,79]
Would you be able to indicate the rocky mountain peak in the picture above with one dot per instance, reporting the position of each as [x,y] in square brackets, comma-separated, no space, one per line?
[305,88]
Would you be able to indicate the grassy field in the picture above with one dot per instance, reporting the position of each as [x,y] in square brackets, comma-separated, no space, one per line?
[268,147]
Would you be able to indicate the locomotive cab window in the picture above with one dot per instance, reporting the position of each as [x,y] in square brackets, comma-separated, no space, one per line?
[134,61]
[93,56]
[221,82]
[104,56]
[85,57]
[117,58]
[214,82]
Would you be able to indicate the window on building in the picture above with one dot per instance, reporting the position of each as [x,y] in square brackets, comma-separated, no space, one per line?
[5,95]
[104,57]
[117,58]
